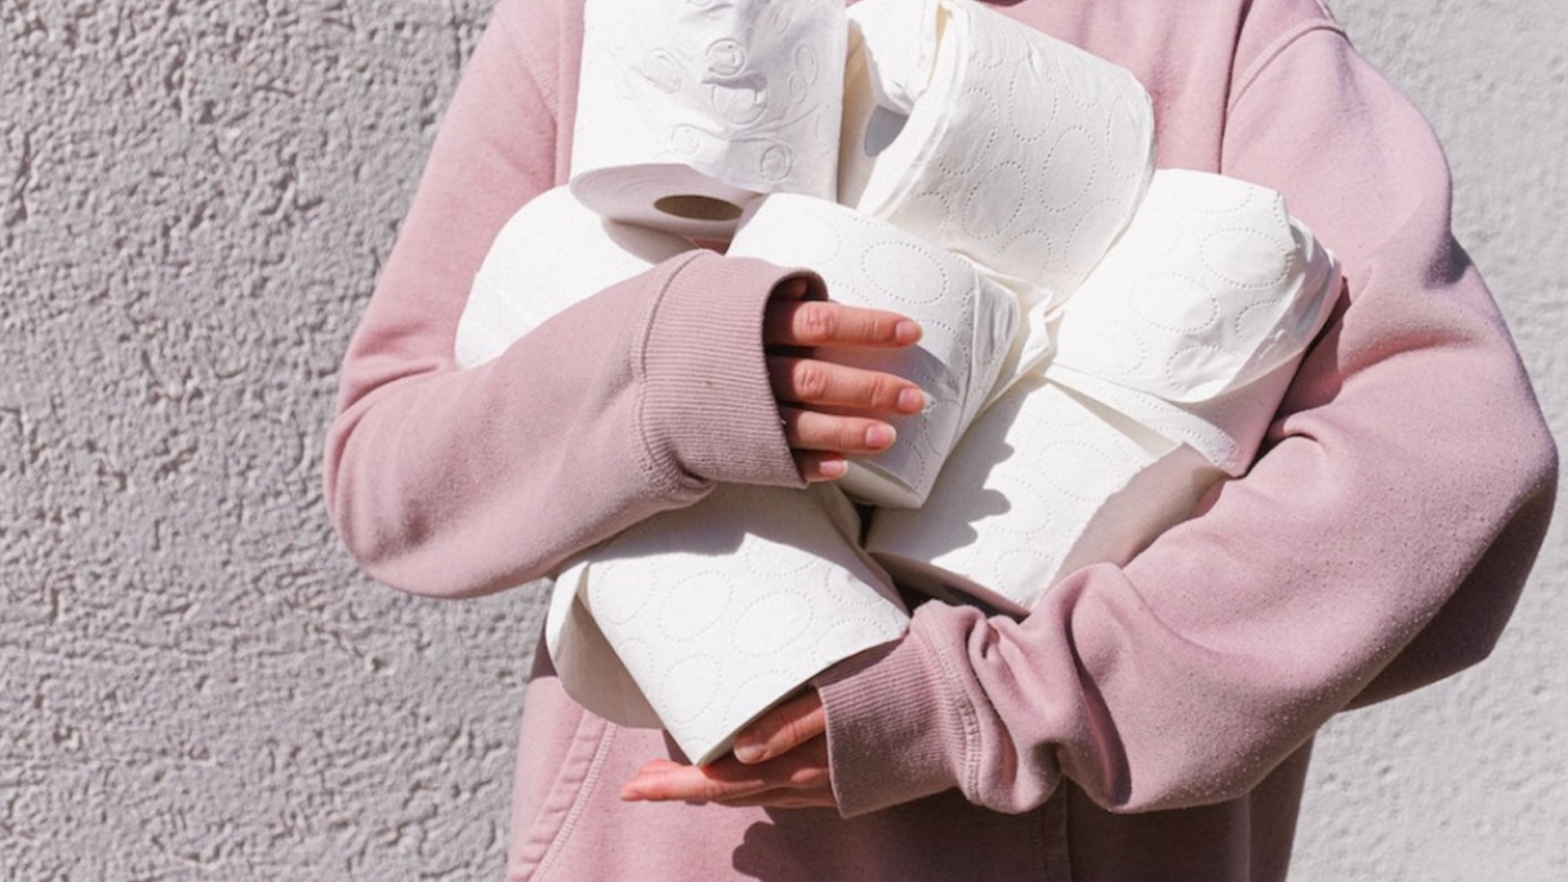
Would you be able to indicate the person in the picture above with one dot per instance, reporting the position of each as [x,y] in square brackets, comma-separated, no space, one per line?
[1152,721]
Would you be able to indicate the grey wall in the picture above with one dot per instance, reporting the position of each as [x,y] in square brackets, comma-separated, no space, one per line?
[195,200]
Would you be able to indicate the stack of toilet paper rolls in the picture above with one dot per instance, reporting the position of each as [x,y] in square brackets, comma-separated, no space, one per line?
[1169,361]
[1101,342]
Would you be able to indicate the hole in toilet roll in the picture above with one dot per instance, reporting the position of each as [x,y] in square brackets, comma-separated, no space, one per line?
[704,208]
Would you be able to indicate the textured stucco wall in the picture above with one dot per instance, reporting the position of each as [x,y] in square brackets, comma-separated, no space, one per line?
[195,199]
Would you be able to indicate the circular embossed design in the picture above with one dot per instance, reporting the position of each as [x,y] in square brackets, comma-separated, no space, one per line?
[1127,154]
[807,66]
[694,604]
[663,71]
[1185,306]
[1069,173]
[726,57]
[699,678]
[686,140]
[614,604]
[921,280]
[1024,566]
[1033,109]
[771,623]
[777,163]
[994,203]
[1245,258]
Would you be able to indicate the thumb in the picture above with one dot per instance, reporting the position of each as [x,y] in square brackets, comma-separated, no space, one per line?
[782,729]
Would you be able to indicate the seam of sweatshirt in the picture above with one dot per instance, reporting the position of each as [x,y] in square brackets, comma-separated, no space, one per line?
[580,797]
[547,91]
[1274,50]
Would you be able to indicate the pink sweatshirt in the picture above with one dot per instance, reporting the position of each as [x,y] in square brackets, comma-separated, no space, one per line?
[1145,722]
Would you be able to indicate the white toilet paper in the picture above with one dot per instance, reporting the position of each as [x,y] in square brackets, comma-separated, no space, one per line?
[969,324]
[1019,151]
[694,620]
[687,109]
[1171,360]
[551,254]
[1044,483]
[700,619]
[1195,321]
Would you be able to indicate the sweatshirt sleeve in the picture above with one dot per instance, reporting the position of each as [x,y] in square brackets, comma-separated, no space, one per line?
[1377,545]
[637,400]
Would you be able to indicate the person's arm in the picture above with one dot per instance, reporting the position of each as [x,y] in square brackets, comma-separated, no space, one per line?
[1378,545]
[636,400]
[1408,480]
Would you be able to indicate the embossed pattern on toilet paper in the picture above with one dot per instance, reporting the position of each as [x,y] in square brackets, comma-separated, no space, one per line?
[747,93]
[968,326]
[1212,286]
[1043,483]
[552,253]
[1024,153]
[717,611]
[1195,320]
[1172,358]
[764,583]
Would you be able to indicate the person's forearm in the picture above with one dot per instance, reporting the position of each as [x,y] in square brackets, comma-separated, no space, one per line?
[454,482]
[1409,447]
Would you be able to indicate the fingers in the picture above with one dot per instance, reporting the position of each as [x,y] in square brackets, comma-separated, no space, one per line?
[811,430]
[824,384]
[777,732]
[798,778]
[814,323]
[832,410]
[815,466]
[820,440]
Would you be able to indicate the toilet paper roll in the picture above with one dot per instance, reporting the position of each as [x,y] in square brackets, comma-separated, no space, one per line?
[1196,319]
[969,323]
[688,109]
[1044,482]
[700,619]
[762,582]
[1019,151]
[551,254]
[1171,360]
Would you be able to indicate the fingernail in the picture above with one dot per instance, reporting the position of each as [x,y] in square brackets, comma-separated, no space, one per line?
[906,332]
[630,794]
[834,468]
[911,401]
[750,749]
[880,436]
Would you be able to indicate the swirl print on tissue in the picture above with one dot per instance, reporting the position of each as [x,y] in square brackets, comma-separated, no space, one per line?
[700,618]
[1021,152]
[1172,358]
[688,109]
[968,323]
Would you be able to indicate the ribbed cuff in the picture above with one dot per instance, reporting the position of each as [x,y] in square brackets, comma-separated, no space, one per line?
[894,727]
[708,412]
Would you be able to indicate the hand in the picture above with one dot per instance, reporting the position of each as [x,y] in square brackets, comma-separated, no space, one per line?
[780,761]
[832,410]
